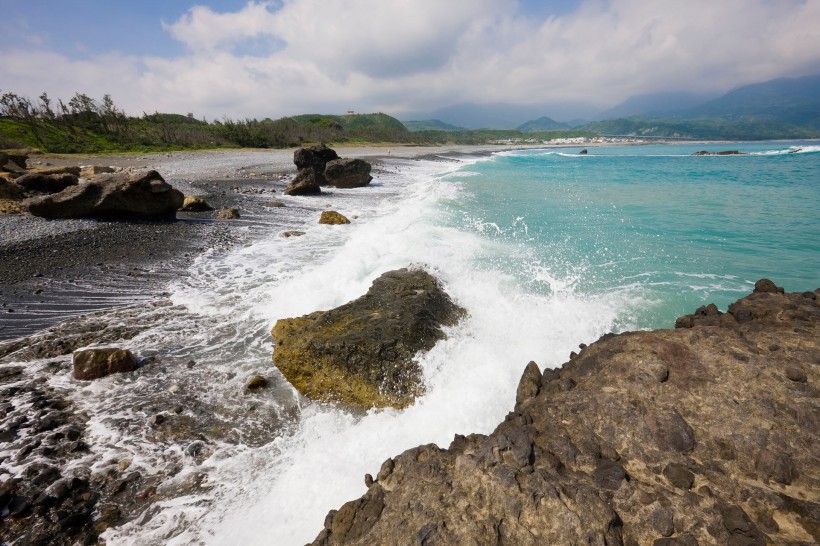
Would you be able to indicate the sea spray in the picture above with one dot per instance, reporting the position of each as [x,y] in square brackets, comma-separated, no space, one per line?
[545,251]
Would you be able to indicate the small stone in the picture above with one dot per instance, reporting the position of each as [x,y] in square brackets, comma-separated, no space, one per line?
[256,383]
[156,420]
[679,476]
[173,389]
[227,214]
[292,233]
[796,374]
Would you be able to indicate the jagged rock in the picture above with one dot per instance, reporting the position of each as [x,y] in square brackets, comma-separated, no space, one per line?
[314,157]
[227,214]
[195,204]
[333,218]
[697,435]
[361,353]
[348,173]
[306,182]
[47,183]
[111,195]
[96,363]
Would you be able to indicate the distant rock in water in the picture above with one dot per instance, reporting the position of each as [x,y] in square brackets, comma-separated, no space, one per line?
[584,151]
[361,354]
[726,152]
[348,173]
[705,434]
[111,195]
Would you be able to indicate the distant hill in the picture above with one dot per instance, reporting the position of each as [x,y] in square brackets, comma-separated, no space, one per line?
[502,115]
[781,108]
[352,121]
[430,125]
[543,124]
[791,101]
[654,104]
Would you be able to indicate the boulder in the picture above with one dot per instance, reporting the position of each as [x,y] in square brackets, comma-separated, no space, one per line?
[333,218]
[227,214]
[314,157]
[195,204]
[348,173]
[46,183]
[306,182]
[362,353]
[695,435]
[10,190]
[120,194]
[96,363]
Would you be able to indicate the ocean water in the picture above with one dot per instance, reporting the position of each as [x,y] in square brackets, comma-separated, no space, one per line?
[545,248]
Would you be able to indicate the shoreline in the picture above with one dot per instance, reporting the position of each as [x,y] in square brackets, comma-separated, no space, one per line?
[43,284]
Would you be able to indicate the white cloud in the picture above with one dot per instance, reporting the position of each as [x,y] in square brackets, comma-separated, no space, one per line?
[330,55]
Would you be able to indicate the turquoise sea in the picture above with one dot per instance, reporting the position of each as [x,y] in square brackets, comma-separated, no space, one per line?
[654,221]
[545,249]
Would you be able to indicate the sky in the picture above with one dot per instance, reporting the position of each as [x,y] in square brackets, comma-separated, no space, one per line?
[257,59]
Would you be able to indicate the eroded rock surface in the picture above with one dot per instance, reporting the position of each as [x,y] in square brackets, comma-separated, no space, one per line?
[348,173]
[119,195]
[361,353]
[705,434]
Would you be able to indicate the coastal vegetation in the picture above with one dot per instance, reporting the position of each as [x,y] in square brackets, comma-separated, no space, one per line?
[88,125]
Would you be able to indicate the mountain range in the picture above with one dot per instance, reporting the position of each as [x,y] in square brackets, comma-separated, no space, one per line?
[780,108]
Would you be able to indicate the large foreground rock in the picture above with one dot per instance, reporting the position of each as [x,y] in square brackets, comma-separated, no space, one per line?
[361,353]
[348,173]
[705,434]
[111,195]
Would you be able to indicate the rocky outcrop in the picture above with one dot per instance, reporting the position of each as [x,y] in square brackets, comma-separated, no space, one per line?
[314,157]
[319,166]
[361,354]
[332,217]
[111,195]
[97,363]
[306,182]
[348,173]
[705,434]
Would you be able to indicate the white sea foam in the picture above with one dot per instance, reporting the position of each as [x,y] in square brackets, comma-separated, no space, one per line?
[280,492]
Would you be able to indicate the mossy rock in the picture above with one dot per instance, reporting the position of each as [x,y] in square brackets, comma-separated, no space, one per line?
[362,354]
[333,218]
[195,204]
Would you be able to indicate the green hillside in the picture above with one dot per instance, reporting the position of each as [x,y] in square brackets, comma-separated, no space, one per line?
[543,124]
